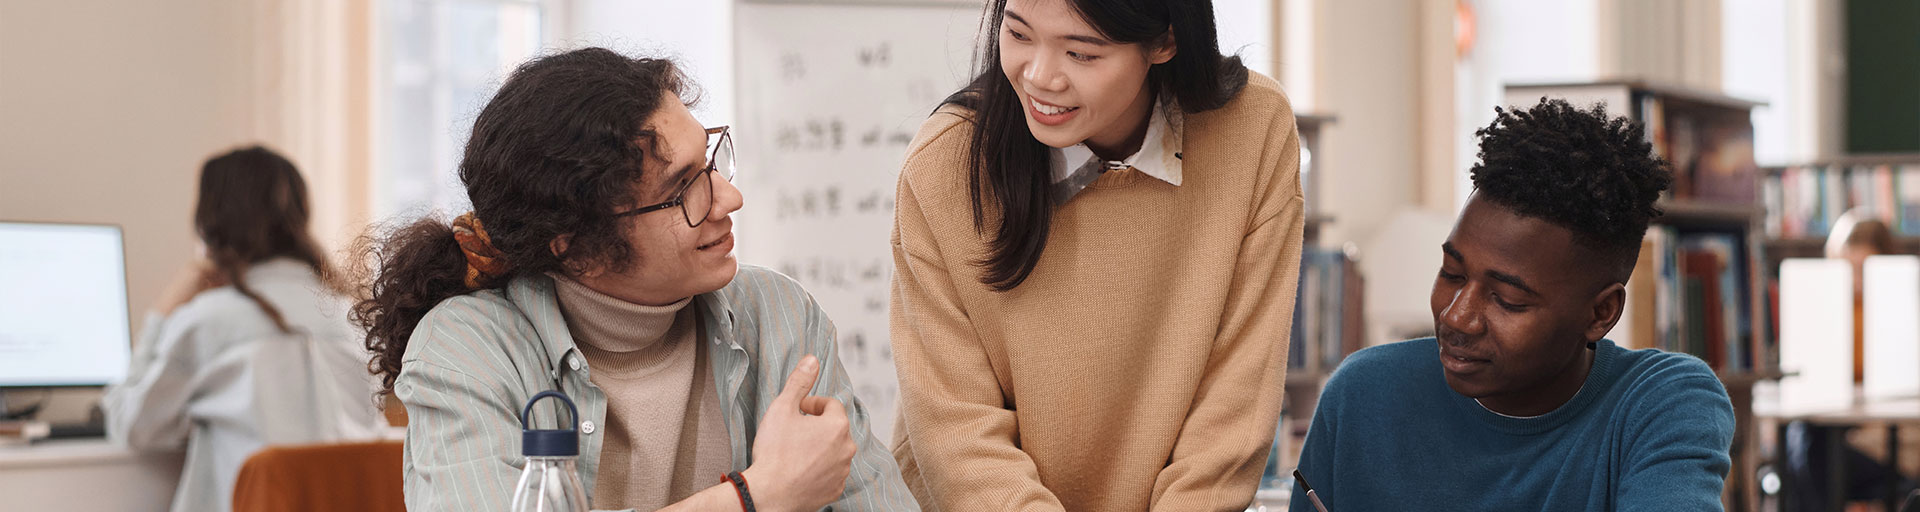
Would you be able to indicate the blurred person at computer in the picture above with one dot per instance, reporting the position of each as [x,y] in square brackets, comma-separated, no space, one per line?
[1855,237]
[250,346]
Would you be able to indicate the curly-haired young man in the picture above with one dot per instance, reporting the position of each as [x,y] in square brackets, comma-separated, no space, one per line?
[1519,403]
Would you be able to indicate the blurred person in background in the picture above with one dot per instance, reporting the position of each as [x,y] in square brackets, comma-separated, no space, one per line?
[1855,237]
[251,345]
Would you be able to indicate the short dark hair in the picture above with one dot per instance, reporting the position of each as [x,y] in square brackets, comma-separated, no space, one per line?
[1580,169]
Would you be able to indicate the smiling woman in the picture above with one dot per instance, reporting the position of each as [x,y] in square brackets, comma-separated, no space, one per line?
[1114,60]
[1107,329]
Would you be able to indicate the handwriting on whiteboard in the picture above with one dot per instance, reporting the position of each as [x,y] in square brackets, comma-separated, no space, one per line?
[826,116]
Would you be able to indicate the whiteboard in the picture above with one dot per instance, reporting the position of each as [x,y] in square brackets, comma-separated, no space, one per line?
[829,97]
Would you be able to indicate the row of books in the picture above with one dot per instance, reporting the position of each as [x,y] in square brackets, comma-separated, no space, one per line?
[1700,290]
[1709,147]
[1805,201]
[1327,322]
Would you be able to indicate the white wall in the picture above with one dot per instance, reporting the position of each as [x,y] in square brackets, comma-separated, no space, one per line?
[699,34]
[1518,41]
[1752,48]
[1245,28]
[696,33]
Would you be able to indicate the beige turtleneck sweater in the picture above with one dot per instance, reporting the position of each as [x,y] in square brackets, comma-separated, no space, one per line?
[665,439]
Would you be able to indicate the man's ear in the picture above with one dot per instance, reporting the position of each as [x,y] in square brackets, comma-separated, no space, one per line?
[1606,309]
[574,266]
[1164,49]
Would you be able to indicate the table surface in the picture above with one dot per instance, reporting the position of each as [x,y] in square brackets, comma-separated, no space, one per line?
[69,452]
[1852,410]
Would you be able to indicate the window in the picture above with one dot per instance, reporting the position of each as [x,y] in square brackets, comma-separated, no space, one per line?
[439,61]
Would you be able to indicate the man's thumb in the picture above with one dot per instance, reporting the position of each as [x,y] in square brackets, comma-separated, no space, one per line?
[800,382]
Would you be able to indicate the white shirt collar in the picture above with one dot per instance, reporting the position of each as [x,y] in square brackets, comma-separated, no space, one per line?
[1159,155]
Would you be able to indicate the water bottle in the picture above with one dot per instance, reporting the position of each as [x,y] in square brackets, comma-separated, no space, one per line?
[551,482]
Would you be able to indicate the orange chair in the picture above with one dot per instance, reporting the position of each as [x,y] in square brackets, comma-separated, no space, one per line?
[353,476]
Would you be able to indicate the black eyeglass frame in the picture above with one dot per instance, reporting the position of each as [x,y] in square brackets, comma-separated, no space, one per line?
[680,196]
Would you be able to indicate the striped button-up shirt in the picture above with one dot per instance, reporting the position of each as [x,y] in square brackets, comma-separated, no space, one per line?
[476,359]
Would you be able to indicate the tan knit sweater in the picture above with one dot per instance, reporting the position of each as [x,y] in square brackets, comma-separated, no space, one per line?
[665,439]
[1140,366]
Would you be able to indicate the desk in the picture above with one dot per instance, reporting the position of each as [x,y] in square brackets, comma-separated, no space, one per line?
[1855,412]
[87,474]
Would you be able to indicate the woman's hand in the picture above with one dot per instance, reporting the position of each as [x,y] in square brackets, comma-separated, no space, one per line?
[804,450]
[198,276]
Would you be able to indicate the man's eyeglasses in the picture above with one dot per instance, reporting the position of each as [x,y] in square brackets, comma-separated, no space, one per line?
[695,197]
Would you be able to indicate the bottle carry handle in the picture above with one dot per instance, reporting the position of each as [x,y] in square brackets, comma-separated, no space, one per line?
[572,411]
[563,442]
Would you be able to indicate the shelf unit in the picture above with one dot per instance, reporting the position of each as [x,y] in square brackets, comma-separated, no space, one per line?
[1310,127]
[1707,137]
[1309,364]
[1804,200]
[1798,213]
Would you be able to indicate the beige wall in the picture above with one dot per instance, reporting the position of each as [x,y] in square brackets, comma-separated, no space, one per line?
[1368,79]
[109,107]
[107,110]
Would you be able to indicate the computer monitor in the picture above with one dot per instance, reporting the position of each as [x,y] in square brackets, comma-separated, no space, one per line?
[63,305]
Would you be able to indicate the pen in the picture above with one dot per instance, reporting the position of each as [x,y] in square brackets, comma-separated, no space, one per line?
[1311,496]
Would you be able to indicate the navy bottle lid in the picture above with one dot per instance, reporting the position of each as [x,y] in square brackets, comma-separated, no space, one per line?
[550,443]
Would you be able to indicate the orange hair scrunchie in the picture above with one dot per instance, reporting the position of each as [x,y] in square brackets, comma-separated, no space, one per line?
[484,262]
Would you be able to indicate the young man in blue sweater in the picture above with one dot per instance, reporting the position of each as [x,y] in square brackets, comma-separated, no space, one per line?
[1518,403]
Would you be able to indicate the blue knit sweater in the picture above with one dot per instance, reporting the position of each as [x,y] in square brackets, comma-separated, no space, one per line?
[1649,430]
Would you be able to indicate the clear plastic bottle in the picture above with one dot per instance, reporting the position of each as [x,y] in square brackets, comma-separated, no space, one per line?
[551,480]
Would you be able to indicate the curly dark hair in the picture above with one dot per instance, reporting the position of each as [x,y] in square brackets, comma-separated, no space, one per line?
[1580,169]
[556,151]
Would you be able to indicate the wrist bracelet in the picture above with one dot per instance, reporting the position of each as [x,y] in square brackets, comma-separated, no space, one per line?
[740,485]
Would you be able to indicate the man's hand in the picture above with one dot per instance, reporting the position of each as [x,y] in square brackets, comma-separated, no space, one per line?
[804,449]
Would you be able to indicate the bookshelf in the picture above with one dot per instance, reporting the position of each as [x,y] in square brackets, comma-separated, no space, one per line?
[1700,285]
[1328,324]
[1803,200]
[1710,228]
[1310,127]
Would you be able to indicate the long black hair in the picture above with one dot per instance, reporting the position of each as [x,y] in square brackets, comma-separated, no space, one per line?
[1009,178]
[556,151]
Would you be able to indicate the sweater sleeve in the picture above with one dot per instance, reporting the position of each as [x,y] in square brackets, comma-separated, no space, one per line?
[1217,461]
[1678,457]
[959,434]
